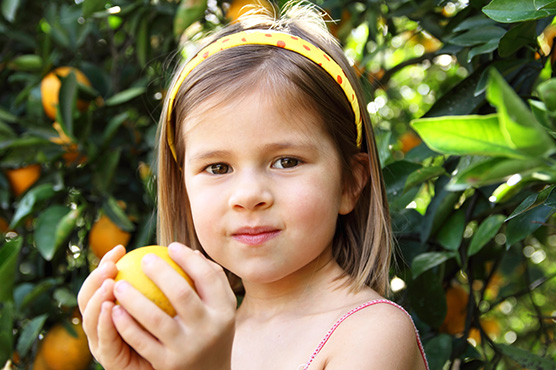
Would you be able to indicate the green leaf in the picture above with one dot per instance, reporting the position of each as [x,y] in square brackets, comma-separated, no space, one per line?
[6,331]
[422,175]
[7,116]
[112,209]
[513,11]
[9,253]
[429,260]
[45,230]
[91,6]
[113,125]
[464,98]
[67,225]
[438,351]
[484,233]
[9,9]
[28,62]
[534,200]
[30,200]
[465,135]
[523,225]
[486,48]
[37,291]
[517,37]
[189,11]
[425,292]
[478,36]
[517,124]
[125,96]
[103,176]
[68,102]
[493,171]
[395,176]
[30,334]
[525,358]
[142,42]
[450,234]
[65,298]
[547,92]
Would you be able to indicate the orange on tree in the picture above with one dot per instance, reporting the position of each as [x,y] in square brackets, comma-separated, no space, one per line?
[50,89]
[63,350]
[105,235]
[72,154]
[4,226]
[456,314]
[129,269]
[409,140]
[23,178]
[239,7]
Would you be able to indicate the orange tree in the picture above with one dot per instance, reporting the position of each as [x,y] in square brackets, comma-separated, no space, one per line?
[470,182]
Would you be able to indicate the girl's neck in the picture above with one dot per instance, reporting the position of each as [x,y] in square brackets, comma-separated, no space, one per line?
[303,292]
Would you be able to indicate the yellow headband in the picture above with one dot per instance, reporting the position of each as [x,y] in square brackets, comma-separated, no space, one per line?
[271,38]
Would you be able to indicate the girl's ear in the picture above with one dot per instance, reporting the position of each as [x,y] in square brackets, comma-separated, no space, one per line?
[360,178]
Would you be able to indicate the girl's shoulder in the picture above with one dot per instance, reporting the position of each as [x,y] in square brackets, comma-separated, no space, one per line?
[377,334]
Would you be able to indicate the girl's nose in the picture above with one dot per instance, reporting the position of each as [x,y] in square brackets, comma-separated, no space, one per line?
[250,192]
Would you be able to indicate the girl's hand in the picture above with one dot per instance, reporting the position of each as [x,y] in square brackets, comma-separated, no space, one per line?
[96,301]
[200,336]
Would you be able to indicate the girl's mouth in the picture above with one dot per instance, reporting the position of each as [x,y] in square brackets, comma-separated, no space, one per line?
[254,236]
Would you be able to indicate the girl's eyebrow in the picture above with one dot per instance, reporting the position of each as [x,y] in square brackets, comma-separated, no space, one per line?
[271,147]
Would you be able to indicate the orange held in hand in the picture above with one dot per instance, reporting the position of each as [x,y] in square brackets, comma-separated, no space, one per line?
[129,269]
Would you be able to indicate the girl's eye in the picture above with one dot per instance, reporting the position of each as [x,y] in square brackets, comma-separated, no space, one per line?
[218,169]
[286,162]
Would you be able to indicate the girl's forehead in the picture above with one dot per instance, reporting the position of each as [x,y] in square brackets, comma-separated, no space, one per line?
[266,107]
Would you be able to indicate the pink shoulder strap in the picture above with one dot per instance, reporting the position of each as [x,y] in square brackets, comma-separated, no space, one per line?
[359,308]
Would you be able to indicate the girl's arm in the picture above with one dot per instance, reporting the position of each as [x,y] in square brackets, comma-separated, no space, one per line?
[96,301]
[200,336]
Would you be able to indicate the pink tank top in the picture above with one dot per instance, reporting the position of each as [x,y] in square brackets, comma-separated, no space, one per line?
[348,314]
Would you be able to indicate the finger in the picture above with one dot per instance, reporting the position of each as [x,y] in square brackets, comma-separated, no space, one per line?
[110,344]
[211,282]
[181,295]
[93,282]
[105,270]
[133,334]
[93,310]
[113,255]
[145,312]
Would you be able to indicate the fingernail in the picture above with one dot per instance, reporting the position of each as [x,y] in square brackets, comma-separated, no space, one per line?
[148,259]
[175,247]
[121,286]
[117,310]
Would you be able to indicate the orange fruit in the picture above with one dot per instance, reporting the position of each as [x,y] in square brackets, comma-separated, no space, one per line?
[240,7]
[456,300]
[72,154]
[105,235]
[50,89]
[409,140]
[4,226]
[129,269]
[23,178]
[61,350]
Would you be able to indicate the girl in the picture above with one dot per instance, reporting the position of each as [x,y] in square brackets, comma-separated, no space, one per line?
[268,172]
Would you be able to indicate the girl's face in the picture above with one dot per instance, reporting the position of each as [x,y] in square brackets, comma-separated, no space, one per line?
[265,187]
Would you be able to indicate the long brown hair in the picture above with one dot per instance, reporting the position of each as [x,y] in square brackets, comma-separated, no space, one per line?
[363,240]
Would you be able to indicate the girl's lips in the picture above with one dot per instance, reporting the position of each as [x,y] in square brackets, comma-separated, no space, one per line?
[255,236]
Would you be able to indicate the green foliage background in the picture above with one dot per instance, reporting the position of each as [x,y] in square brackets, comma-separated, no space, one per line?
[472,205]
